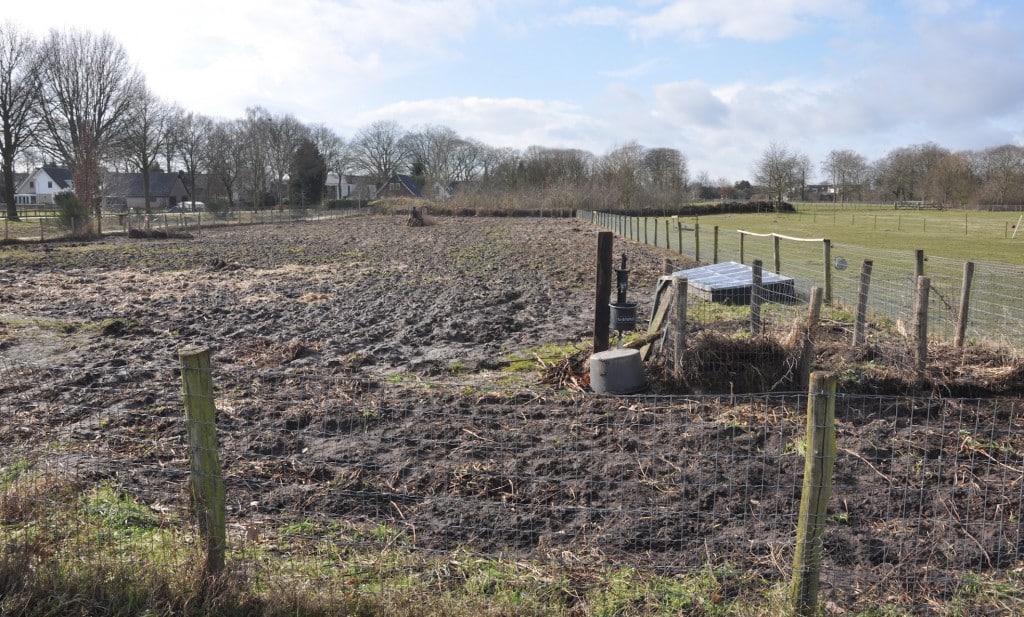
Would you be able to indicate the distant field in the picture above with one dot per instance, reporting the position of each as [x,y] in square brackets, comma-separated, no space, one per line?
[957,234]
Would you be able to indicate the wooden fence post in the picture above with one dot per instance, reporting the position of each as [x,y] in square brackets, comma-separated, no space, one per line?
[862,302]
[778,256]
[918,263]
[921,325]
[696,241]
[965,305]
[756,294]
[602,312]
[204,462]
[715,253]
[679,341]
[809,330]
[742,236]
[827,248]
[817,489]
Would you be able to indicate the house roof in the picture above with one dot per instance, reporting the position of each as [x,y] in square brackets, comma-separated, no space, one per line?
[60,176]
[408,182]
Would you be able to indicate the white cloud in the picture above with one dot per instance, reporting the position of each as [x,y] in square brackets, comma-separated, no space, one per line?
[508,122]
[751,20]
[689,103]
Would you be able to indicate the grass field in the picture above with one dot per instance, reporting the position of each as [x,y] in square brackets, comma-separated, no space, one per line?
[956,234]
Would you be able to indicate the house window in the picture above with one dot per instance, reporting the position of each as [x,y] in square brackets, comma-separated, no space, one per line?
[31,184]
[49,185]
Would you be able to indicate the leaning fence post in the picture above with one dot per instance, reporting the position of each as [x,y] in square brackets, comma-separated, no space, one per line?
[204,463]
[965,305]
[862,302]
[817,489]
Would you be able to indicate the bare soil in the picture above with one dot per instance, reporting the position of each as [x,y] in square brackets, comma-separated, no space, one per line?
[330,340]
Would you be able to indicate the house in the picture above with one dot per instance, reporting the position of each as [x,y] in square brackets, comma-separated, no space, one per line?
[125,192]
[41,186]
[400,185]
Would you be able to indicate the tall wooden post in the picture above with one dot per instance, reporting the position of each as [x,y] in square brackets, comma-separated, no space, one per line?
[742,236]
[680,285]
[696,241]
[965,305]
[602,312]
[809,331]
[862,303]
[756,296]
[715,253]
[918,263]
[778,256]
[817,489]
[827,248]
[204,462]
[924,285]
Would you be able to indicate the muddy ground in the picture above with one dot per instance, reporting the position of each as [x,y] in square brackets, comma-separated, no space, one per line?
[359,375]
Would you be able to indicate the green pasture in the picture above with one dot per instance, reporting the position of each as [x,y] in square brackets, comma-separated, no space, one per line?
[963,235]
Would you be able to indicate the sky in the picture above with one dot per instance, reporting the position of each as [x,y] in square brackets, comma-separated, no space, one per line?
[719,80]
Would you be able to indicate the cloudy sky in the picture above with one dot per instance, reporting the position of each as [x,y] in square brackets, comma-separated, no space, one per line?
[718,79]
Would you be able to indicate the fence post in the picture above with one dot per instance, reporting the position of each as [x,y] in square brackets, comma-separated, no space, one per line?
[668,236]
[965,305]
[809,331]
[755,298]
[817,489]
[742,236]
[862,302]
[602,312]
[646,241]
[679,342]
[204,463]
[696,241]
[918,263]
[778,257]
[827,248]
[715,253]
[921,325]
[655,233]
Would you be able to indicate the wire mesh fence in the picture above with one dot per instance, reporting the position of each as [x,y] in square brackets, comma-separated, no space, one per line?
[995,311]
[353,484]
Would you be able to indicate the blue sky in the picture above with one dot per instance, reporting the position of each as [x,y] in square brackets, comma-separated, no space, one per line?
[719,80]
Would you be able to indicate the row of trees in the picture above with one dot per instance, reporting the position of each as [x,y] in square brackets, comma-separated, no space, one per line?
[925,172]
[74,98]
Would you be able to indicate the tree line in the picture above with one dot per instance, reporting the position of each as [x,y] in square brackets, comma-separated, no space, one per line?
[74,98]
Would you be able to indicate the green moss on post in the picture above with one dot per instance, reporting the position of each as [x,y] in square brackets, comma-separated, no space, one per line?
[205,474]
[817,489]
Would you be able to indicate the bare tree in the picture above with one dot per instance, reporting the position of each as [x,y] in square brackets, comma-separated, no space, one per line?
[332,148]
[846,169]
[146,130]
[286,134]
[950,180]
[88,86]
[19,117]
[254,162]
[1001,170]
[192,133]
[226,150]
[780,171]
[380,151]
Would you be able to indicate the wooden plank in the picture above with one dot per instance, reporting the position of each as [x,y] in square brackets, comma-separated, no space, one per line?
[659,312]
